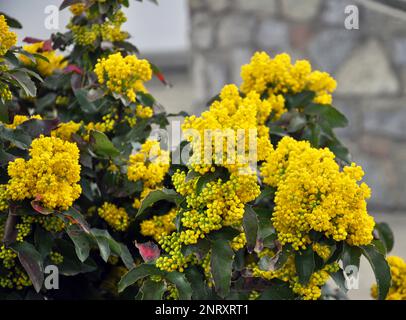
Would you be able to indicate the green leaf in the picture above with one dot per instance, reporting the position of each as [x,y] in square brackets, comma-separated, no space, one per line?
[181,283]
[305,264]
[80,240]
[351,256]
[12,23]
[385,235]
[32,262]
[250,224]
[17,137]
[339,279]
[278,291]
[87,106]
[297,123]
[71,265]
[145,99]
[299,100]
[104,246]
[333,117]
[221,264]
[381,269]
[197,282]
[152,290]
[43,241]
[158,195]
[137,273]
[67,3]
[102,145]
[25,83]
[45,101]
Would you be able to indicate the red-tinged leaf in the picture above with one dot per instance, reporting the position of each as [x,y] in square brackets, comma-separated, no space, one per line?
[157,72]
[149,251]
[47,46]
[36,205]
[73,68]
[31,40]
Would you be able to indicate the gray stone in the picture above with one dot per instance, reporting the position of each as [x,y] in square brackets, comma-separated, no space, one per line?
[202,33]
[260,7]
[367,72]
[333,13]
[399,51]
[380,177]
[300,10]
[391,123]
[349,107]
[199,77]
[239,57]
[331,47]
[218,5]
[403,75]
[380,24]
[235,30]
[216,76]
[197,4]
[273,34]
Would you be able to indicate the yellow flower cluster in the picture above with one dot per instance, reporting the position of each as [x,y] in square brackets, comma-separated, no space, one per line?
[3,197]
[46,68]
[109,30]
[287,273]
[144,112]
[19,119]
[150,164]
[313,194]
[5,92]
[14,277]
[64,131]
[159,226]
[123,75]
[7,37]
[323,251]
[56,257]
[77,9]
[232,133]
[116,217]
[219,203]
[397,290]
[51,175]
[276,77]
[106,125]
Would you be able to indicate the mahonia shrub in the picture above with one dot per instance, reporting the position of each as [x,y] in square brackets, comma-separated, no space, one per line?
[273,213]
[276,223]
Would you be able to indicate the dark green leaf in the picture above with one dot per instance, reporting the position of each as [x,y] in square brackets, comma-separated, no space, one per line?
[158,195]
[81,241]
[385,235]
[181,283]
[137,273]
[85,103]
[339,279]
[152,290]
[250,224]
[32,262]
[299,100]
[12,23]
[197,282]
[278,291]
[43,241]
[305,264]
[221,263]
[381,269]
[25,82]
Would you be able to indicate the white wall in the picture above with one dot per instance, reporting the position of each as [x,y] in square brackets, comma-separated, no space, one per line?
[154,29]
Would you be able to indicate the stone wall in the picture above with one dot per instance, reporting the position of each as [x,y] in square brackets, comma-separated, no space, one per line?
[369,65]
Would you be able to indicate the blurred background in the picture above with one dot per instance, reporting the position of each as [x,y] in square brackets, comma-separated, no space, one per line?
[201,44]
